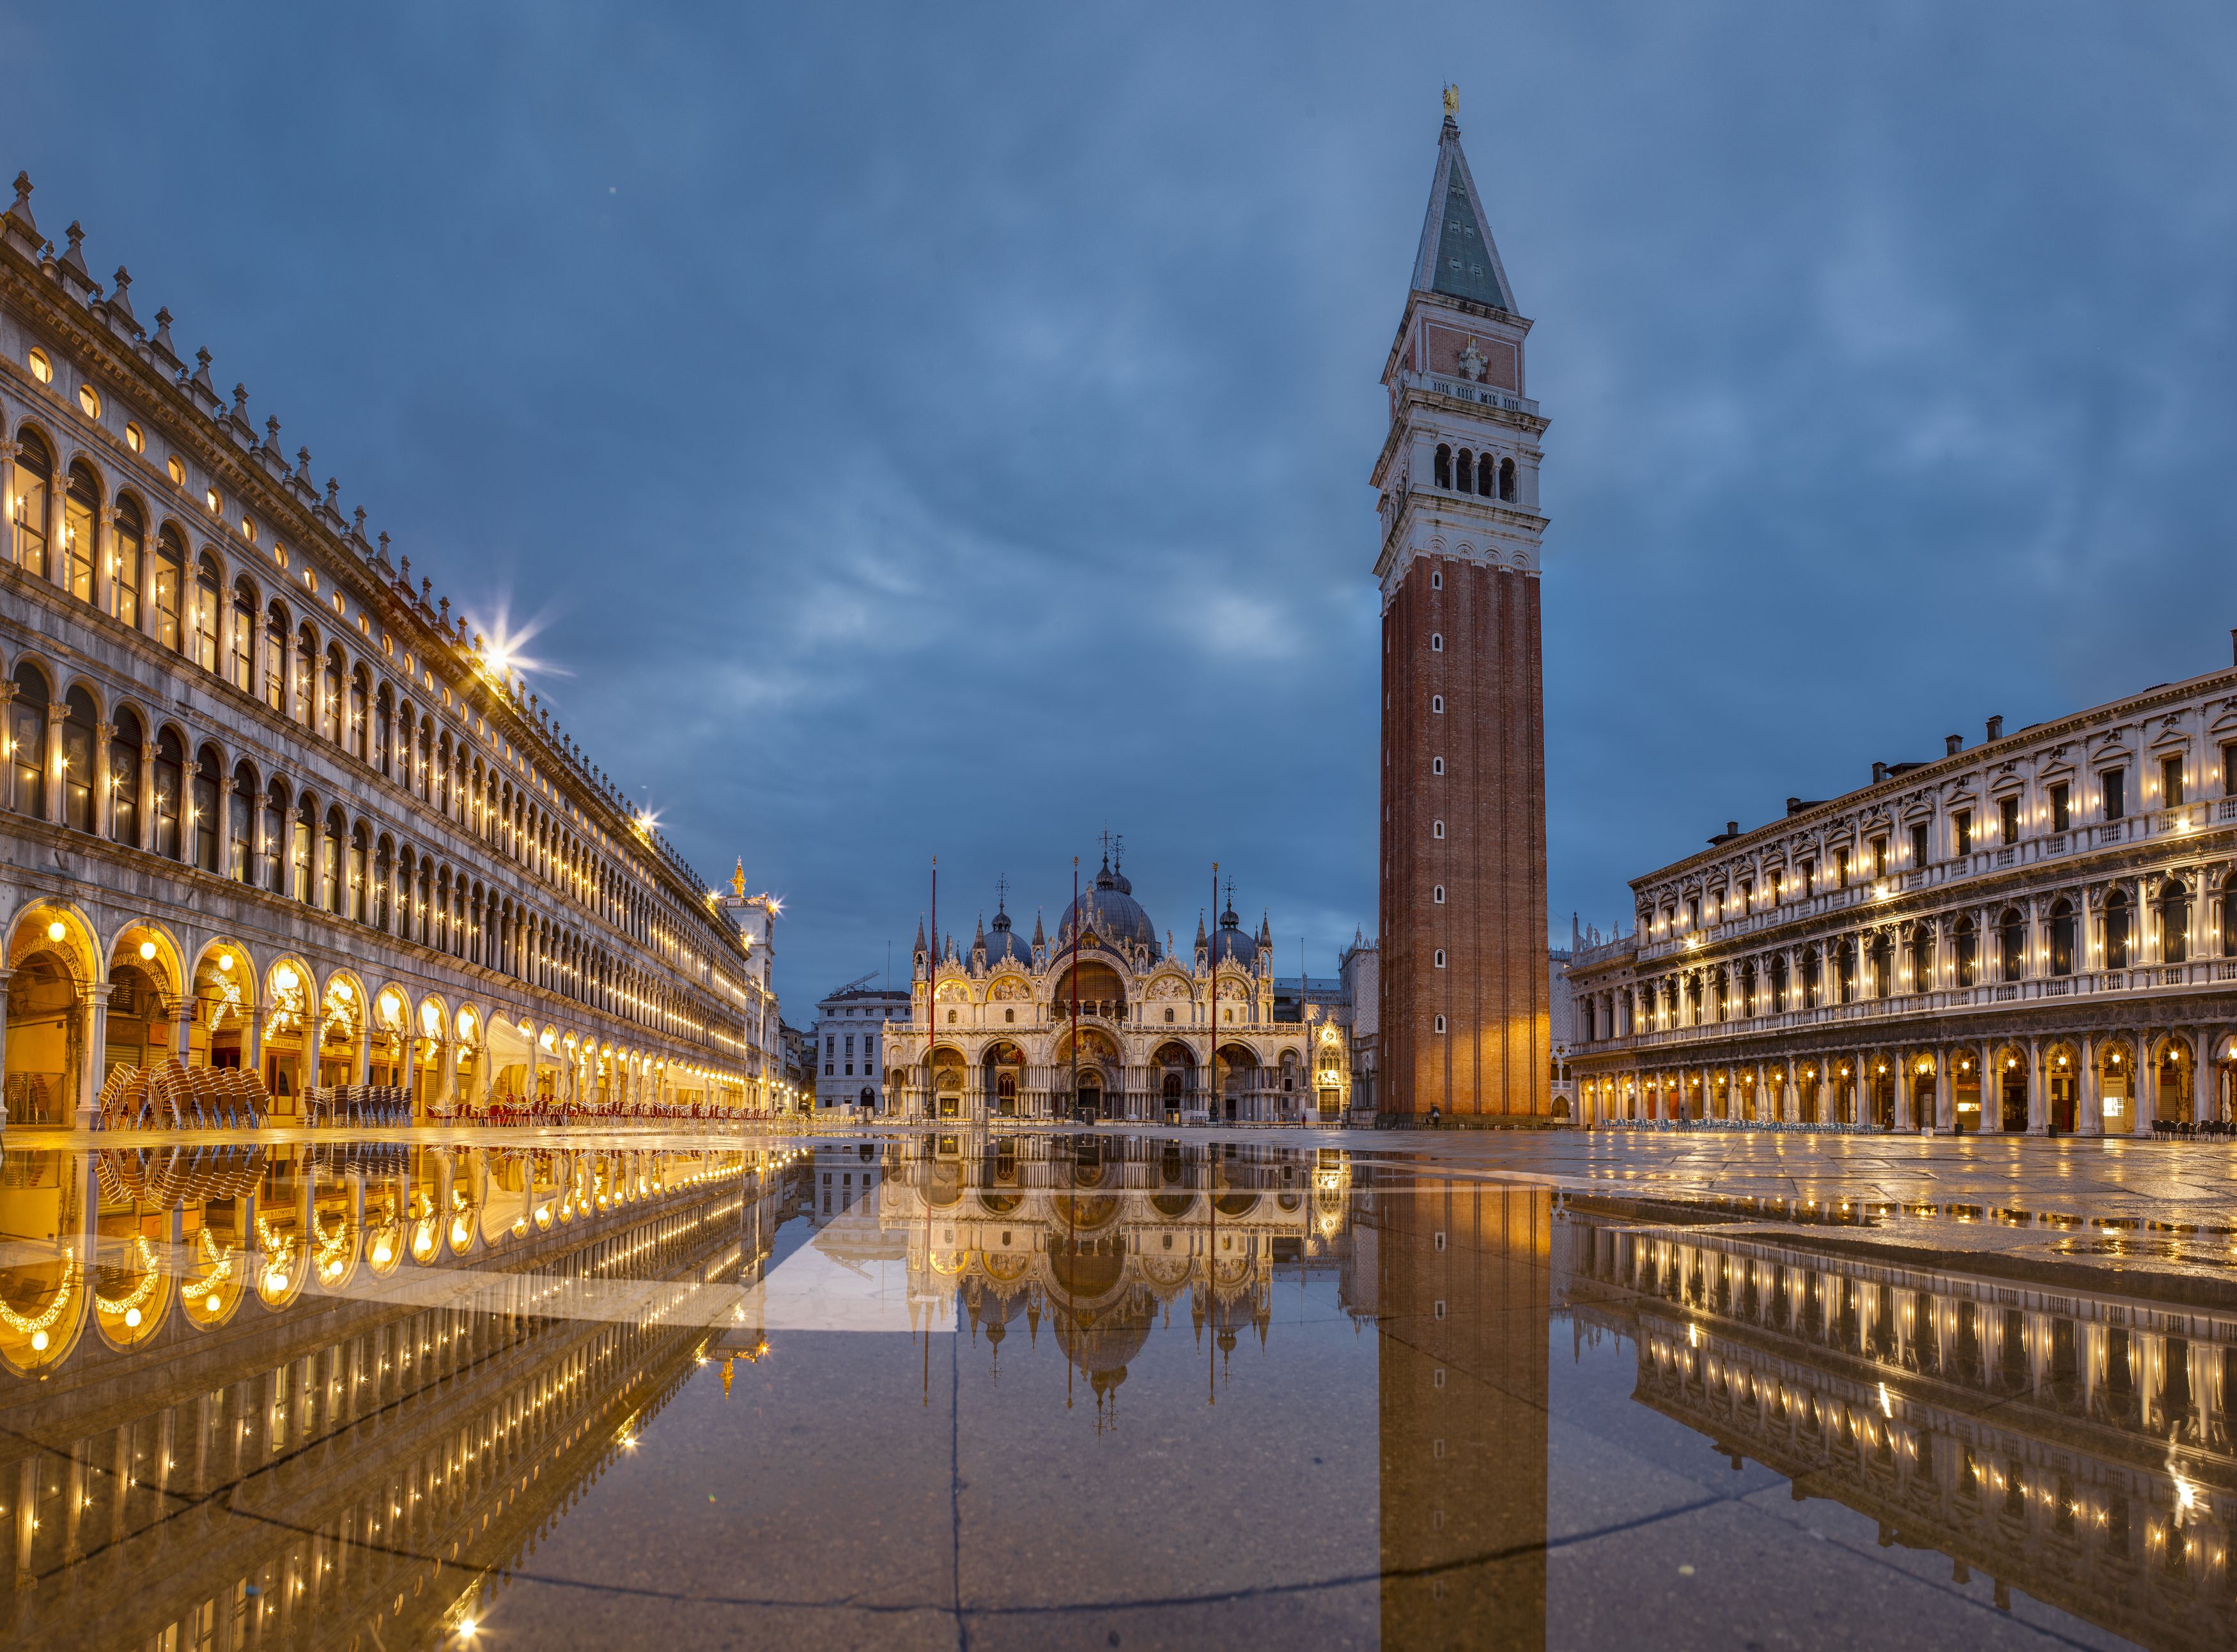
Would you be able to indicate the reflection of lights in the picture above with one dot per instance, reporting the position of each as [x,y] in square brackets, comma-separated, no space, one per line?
[1887,1404]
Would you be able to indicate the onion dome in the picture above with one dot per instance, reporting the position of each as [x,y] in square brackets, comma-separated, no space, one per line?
[1108,912]
[1232,944]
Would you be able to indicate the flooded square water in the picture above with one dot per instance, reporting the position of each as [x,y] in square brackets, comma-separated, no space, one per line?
[1099,1390]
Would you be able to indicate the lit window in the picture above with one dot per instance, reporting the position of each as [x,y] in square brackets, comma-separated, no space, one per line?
[42,369]
[178,472]
[248,530]
[88,401]
[210,498]
[136,438]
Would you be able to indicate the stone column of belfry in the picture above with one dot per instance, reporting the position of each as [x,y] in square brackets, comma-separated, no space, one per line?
[1463,740]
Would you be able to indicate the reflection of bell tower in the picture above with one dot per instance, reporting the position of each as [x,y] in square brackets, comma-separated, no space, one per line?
[1464,1306]
[1464,1014]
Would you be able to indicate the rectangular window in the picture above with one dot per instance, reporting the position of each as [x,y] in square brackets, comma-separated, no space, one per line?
[2115,782]
[1961,832]
[2062,807]
[1841,868]
[1747,895]
[1809,878]
[2170,782]
[1919,851]
[1693,913]
[2229,770]
[2008,819]
[1879,857]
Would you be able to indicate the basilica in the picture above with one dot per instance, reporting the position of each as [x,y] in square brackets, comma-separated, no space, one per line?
[1106,1022]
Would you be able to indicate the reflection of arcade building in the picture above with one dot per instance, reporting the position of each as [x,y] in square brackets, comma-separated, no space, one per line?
[281,1408]
[1100,1242]
[2073,1445]
[993,1033]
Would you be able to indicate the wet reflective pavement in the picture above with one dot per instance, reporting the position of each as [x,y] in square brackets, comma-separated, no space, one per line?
[1096,1390]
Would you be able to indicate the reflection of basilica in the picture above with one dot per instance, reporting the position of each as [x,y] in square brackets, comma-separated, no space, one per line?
[269,1409]
[2067,1443]
[1098,1238]
[1109,1023]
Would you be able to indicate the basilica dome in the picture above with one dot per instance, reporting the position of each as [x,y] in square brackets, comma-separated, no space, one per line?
[1003,942]
[1231,943]
[1109,910]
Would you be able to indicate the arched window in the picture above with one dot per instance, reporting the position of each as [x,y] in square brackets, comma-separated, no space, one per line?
[240,826]
[306,687]
[1922,958]
[2116,929]
[2229,920]
[241,658]
[1967,959]
[202,621]
[276,836]
[423,922]
[302,866]
[330,695]
[1436,642]
[361,695]
[1778,982]
[1444,465]
[1484,475]
[170,795]
[207,773]
[129,550]
[1844,972]
[80,732]
[170,587]
[2174,921]
[1464,471]
[330,864]
[423,777]
[275,657]
[1507,480]
[383,721]
[2012,943]
[81,509]
[384,878]
[30,500]
[1882,961]
[442,774]
[27,741]
[2061,937]
[1437,894]
[124,749]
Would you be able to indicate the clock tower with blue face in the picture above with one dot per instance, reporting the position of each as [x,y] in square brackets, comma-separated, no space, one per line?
[1463,1020]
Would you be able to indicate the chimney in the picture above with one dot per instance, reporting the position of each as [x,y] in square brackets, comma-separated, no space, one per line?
[2233,643]
[1879,773]
[1732,828]
[1794,806]
[1952,744]
[1996,728]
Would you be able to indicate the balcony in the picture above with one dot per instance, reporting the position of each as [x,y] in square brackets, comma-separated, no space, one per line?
[2153,827]
[2141,982]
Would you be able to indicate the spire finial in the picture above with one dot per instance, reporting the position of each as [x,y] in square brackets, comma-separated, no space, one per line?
[1451,101]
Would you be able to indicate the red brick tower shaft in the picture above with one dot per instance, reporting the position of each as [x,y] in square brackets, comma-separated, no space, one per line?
[1464,1019]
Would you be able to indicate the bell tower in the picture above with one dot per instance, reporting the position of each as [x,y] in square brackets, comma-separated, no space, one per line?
[1463,1017]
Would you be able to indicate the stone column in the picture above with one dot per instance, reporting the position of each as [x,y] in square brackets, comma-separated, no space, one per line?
[224,811]
[55,713]
[1992,1088]
[2144,1104]
[147,838]
[2038,1110]
[1790,1101]
[95,1010]
[2089,1101]
[104,801]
